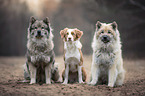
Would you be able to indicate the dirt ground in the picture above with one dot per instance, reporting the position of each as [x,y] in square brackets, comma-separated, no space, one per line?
[11,73]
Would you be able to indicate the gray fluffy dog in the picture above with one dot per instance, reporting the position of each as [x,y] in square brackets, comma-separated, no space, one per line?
[39,67]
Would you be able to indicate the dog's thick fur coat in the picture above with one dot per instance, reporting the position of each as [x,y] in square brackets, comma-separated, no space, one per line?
[107,62]
[40,55]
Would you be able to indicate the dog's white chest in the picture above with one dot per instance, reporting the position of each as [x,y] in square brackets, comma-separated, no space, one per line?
[72,50]
[72,53]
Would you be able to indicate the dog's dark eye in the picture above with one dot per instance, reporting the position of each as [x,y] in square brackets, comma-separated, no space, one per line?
[72,33]
[32,33]
[109,31]
[102,32]
[35,27]
[67,33]
[45,33]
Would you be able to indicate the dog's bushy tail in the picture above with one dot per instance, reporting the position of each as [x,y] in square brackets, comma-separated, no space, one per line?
[55,73]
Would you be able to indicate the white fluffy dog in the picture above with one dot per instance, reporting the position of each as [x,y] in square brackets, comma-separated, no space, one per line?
[107,64]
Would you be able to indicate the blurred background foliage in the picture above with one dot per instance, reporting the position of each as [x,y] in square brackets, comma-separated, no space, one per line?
[81,14]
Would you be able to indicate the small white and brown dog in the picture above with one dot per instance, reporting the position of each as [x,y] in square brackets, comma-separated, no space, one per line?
[73,57]
[107,64]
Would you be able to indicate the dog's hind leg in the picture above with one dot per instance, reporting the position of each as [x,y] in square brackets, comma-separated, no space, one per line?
[120,78]
[84,74]
[26,73]
[95,73]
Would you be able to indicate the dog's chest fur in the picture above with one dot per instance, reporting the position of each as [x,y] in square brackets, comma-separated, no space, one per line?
[104,57]
[72,54]
[39,52]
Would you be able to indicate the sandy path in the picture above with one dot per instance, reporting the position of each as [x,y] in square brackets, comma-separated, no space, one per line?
[11,73]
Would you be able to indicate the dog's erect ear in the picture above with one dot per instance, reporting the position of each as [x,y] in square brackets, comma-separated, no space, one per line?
[46,20]
[98,25]
[32,20]
[62,32]
[114,25]
[78,33]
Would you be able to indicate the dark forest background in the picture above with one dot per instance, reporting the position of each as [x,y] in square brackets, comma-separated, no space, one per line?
[82,14]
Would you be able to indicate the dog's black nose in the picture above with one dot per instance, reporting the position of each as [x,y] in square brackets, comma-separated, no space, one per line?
[105,38]
[69,39]
[39,32]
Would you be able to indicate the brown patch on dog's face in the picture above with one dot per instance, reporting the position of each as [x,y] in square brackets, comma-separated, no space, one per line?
[71,34]
[106,32]
[78,34]
[63,34]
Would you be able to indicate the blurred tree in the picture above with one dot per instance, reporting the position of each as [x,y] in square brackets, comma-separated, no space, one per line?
[81,14]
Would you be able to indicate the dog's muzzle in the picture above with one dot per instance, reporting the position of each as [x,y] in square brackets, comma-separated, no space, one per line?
[105,38]
[39,35]
[69,39]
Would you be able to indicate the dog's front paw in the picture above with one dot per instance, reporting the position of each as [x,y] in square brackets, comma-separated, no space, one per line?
[59,80]
[111,85]
[92,83]
[25,81]
[81,81]
[32,81]
[64,83]
[48,82]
